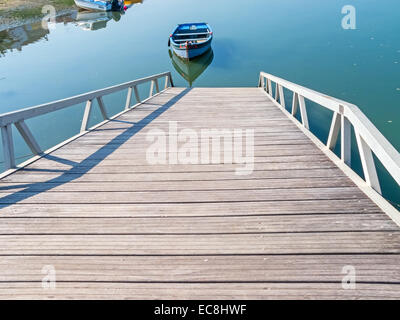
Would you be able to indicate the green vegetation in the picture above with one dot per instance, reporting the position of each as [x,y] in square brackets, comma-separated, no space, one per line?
[33,10]
[65,3]
[22,14]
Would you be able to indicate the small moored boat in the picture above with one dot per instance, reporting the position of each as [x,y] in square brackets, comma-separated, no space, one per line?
[100,5]
[191,40]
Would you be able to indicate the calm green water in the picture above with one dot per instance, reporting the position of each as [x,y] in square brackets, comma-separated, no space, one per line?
[300,40]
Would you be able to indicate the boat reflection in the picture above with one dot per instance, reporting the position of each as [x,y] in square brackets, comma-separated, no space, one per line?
[95,20]
[190,70]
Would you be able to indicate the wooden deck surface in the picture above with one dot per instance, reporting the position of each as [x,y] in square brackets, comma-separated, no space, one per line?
[114,226]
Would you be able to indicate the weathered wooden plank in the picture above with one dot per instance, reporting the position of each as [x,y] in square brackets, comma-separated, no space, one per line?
[183,196]
[56,164]
[118,148]
[279,243]
[290,268]
[258,139]
[198,225]
[143,144]
[34,177]
[115,186]
[215,291]
[187,168]
[113,152]
[283,207]
[123,129]
[140,155]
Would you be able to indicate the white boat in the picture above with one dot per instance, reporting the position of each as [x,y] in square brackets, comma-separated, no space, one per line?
[100,5]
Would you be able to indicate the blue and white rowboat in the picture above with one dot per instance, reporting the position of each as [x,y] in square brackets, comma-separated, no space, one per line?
[191,40]
[100,5]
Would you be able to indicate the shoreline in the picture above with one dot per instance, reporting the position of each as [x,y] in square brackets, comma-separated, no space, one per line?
[12,5]
[17,13]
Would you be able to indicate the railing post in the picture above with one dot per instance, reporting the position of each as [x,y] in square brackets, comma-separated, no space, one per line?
[303,112]
[295,102]
[334,131]
[128,99]
[265,85]
[28,137]
[368,164]
[262,82]
[269,86]
[151,88]
[276,91]
[102,108]
[346,140]
[8,147]
[170,79]
[156,84]
[86,116]
[137,94]
[281,97]
[166,82]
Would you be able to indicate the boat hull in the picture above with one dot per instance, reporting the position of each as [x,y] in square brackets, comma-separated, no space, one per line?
[191,52]
[94,5]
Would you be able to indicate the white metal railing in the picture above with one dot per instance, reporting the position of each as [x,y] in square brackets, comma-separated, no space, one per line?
[369,139]
[18,117]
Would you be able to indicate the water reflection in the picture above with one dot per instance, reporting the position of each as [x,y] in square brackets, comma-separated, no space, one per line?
[16,38]
[95,20]
[190,70]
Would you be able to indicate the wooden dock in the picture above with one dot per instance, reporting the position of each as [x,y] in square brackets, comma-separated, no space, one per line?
[111,225]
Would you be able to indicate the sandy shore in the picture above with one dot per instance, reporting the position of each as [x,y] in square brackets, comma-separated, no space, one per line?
[7,5]
[18,12]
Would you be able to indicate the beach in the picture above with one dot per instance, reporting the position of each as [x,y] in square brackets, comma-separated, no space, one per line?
[18,12]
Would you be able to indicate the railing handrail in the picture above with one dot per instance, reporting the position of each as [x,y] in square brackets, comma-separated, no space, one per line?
[322,99]
[369,138]
[31,112]
[18,117]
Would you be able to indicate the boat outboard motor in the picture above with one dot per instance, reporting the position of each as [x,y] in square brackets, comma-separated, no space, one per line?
[116,15]
[117,5]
